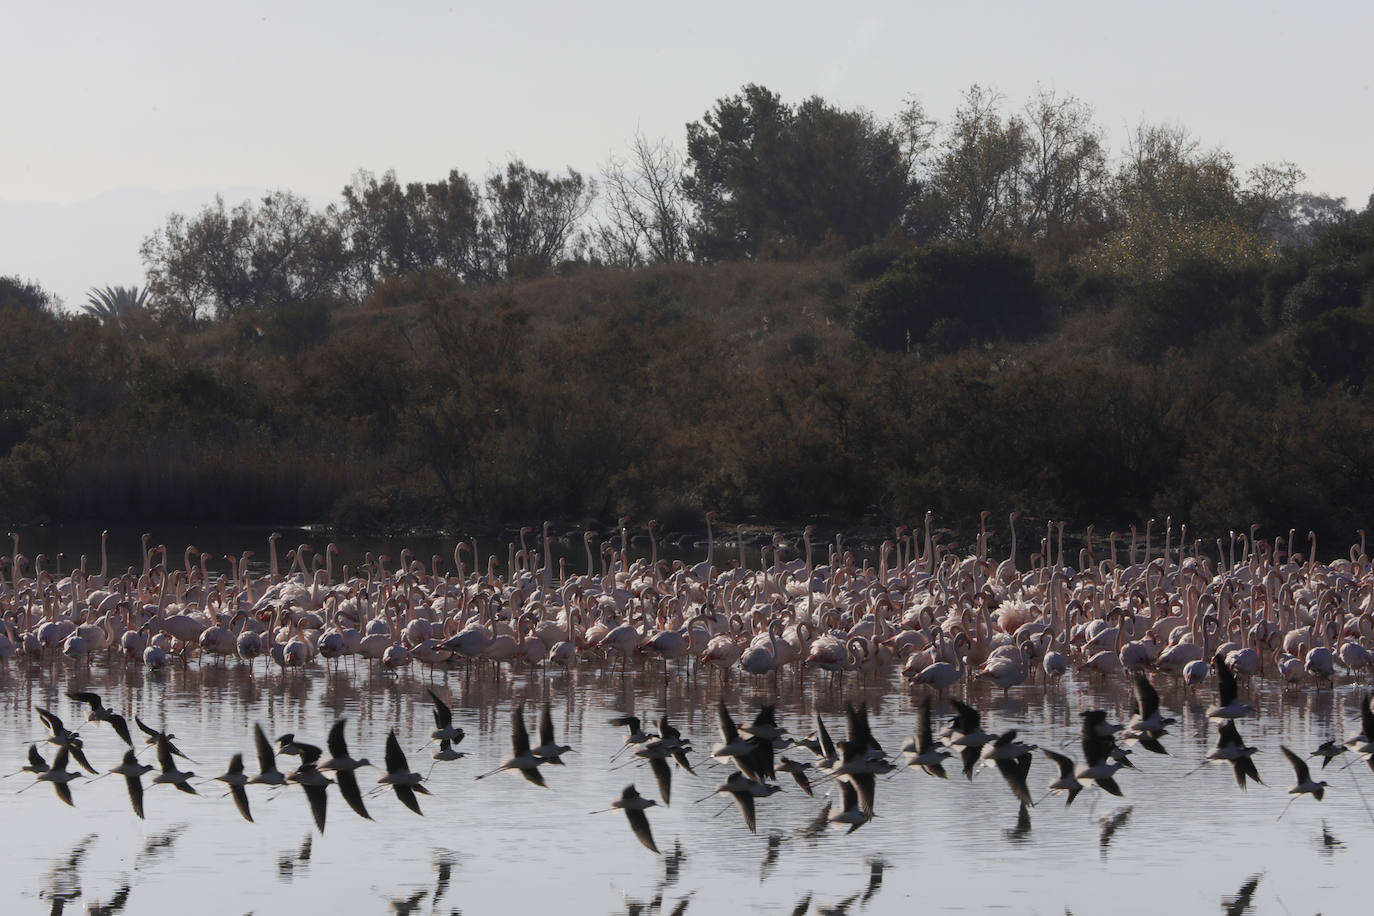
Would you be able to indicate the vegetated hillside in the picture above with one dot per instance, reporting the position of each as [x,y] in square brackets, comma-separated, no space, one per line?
[808,313]
[670,390]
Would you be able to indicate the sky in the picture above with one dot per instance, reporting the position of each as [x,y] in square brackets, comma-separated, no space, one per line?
[118,113]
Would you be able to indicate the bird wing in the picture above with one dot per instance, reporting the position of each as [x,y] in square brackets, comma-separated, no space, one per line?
[80,757]
[966,718]
[745,800]
[241,802]
[728,732]
[338,747]
[348,788]
[865,786]
[968,756]
[443,716]
[1146,697]
[519,735]
[267,758]
[395,757]
[50,721]
[546,726]
[82,696]
[822,735]
[164,755]
[639,823]
[143,727]
[923,730]
[1011,771]
[121,727]
[319,802]
[663,775]
[1064,763]
[1299,765]
[59,761]
[407,797]
[64,792]
[36,759]
[310,754]
[135,786]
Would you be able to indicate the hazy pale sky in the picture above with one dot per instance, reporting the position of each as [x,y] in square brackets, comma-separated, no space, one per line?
[117,113]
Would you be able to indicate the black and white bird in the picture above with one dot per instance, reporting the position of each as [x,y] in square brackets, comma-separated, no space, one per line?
[634,804]
[1099,753]
[921,749]
[444,729]
[1067,781]
[1146,726]
[133,771]
[549,750]
[1231,748]
[344,766]
[102,713]
[169,774]
[64,738]
[60,776]
[315,783]
[1013,760]
[268,774]
[399,776]
[965,734]
[1230,707]
[235,778]
[520,757]
[1305,785]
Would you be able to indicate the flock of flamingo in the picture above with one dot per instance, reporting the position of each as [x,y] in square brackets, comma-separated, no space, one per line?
[1145,609]
[1167,608]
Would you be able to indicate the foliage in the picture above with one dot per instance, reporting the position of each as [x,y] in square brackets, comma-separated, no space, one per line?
[949,295]
[766,177]
[223,262]
[23,295]
[126,308]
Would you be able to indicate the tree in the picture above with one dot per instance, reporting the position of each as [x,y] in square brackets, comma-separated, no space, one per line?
[224,262]
[1064,169]
[979,171]
[118,306]
[530,221]
[392,230]
[24,296]
[645,215]
[1167,173]
[766,177]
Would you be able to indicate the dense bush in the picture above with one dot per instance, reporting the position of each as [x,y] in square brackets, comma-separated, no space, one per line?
[951,294]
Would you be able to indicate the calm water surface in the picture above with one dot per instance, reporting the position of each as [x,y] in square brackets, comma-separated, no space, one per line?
[1172,844]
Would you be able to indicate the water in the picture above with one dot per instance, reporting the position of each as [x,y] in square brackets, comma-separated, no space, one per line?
[1172,844]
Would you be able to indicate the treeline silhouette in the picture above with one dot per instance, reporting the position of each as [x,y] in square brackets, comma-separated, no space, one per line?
[807,315]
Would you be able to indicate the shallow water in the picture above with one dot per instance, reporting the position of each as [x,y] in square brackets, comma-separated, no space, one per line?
[1172,844]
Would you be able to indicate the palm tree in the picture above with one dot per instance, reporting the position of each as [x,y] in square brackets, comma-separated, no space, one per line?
[117,305]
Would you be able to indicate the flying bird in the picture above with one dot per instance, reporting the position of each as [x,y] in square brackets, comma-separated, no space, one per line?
[102,713]
[133,771]
[236,779]
[634,804]
[343,766]
[399,776]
